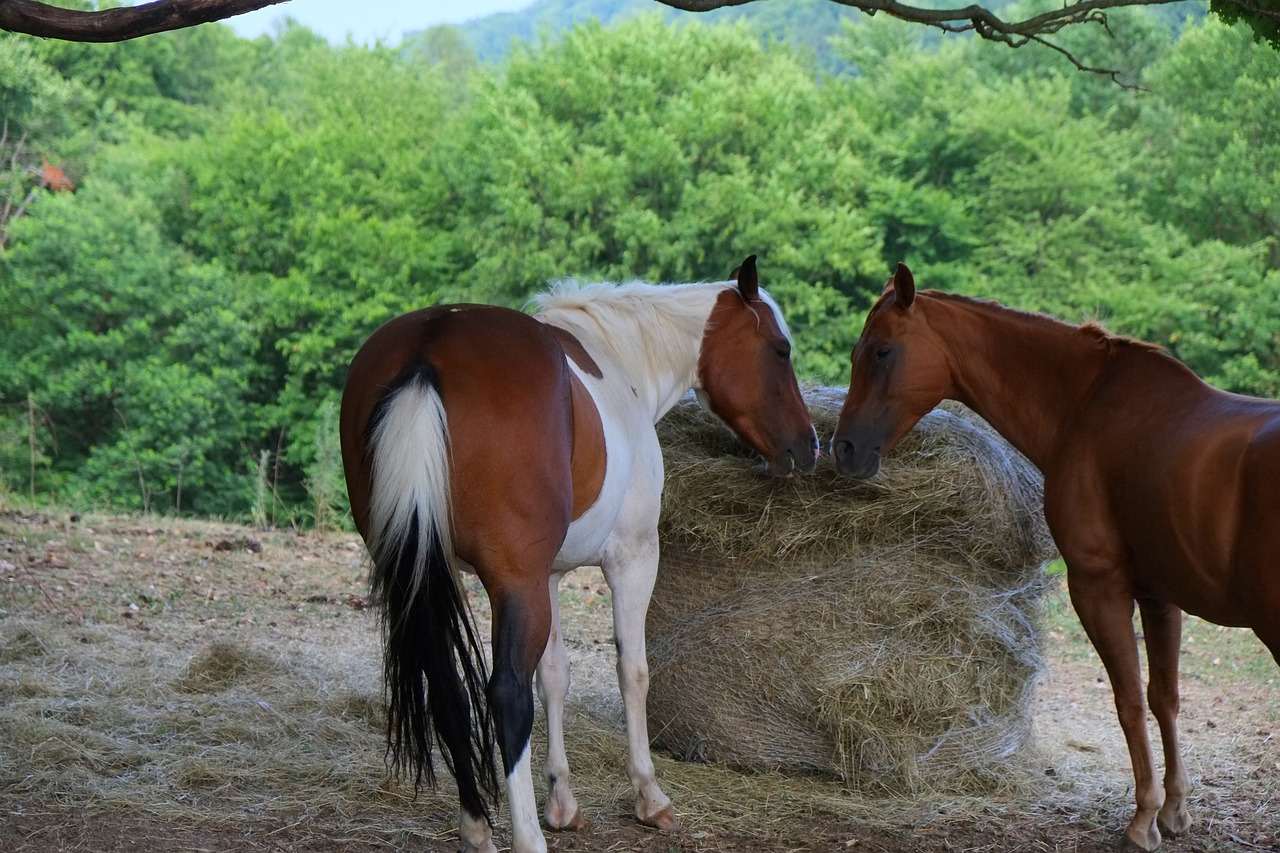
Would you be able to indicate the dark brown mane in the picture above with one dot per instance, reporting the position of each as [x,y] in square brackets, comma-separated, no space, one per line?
[1092,329]
[1113,341]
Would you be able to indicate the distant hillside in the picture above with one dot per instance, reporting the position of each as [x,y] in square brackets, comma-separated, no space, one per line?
[804,23]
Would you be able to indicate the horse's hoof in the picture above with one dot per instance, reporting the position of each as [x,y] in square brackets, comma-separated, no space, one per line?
[485,847]
[1176,824]
[1145,842]
[573,824]
[663,819]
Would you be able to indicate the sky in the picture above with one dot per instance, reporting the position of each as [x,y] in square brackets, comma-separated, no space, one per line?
[366,21]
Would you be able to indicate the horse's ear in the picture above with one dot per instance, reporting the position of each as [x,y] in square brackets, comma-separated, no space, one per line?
[904,285]
[745,276]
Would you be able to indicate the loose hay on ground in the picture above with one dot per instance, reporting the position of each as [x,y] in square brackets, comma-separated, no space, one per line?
[165,769]
[880,632]
[230,732]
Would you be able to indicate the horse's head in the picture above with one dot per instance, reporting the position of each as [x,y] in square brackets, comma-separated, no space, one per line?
[745,377]
[900,372]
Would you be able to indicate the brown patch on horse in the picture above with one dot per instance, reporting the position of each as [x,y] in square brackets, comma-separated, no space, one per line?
[588,457]
[576,351]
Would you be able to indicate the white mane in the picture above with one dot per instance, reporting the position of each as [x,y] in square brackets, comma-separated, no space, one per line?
[661,323]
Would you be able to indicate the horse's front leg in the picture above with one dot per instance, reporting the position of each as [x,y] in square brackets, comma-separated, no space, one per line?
[631,575]
[553,686]
[1104,604]
[1162,627]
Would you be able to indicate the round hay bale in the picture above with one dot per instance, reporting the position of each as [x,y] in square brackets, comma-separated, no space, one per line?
[881,632]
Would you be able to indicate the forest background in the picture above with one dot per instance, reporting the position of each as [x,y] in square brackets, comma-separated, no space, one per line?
[174,333]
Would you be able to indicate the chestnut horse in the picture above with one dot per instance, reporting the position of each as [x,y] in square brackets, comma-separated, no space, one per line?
[1158,489]
[520,447]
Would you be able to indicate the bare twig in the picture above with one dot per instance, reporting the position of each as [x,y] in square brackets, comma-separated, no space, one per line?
[22,564]
[137,463]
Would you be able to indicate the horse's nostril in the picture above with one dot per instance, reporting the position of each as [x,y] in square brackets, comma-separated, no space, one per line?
[842,448]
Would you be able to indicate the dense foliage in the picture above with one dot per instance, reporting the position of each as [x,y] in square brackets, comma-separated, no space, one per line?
[174,333]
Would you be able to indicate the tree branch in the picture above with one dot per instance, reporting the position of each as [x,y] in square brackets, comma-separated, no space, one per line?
[119,24]
[972,17]
[982,21]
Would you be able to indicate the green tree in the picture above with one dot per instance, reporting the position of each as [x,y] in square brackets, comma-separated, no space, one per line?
[166,84]
[317,194]
[249,212]
[1210,137]
[445,48]
[37,109]
[1023,187]
[137,357]
[664,153]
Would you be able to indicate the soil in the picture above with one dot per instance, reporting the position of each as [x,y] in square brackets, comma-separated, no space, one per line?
[171,587]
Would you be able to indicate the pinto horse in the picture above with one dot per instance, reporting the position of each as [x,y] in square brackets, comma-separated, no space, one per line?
[1158,489]
[520,447]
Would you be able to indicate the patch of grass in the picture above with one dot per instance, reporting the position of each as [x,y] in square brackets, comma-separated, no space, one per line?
[1219,655]
[1212,654]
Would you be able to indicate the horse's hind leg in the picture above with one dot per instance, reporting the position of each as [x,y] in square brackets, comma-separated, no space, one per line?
[521,622]
[521,625]
[1162,627]
[553,686]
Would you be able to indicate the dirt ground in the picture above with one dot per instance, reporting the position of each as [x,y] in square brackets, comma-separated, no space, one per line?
[181,685]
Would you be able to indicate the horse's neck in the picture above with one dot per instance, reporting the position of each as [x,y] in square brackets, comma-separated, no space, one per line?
[1024,374]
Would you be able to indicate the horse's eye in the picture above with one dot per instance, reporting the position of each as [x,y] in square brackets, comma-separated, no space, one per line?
[783,349]
[883,352]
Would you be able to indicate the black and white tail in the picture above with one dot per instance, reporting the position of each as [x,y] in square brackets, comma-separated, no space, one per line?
[433,666]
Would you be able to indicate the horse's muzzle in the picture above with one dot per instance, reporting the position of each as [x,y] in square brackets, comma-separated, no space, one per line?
[798,458]
[858,462]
